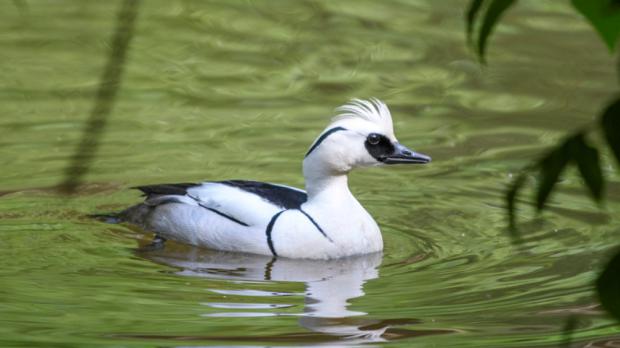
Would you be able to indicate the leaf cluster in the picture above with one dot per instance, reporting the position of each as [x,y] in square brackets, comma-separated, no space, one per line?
[604,15]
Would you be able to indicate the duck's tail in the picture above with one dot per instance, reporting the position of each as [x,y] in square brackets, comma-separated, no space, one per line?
[109,218]
[136,214]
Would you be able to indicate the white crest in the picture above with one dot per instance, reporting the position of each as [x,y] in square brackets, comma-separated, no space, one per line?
[372,110]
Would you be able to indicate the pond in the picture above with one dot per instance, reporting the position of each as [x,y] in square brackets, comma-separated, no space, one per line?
[221,90]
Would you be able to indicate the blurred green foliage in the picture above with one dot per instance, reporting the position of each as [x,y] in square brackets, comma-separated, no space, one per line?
[604,16]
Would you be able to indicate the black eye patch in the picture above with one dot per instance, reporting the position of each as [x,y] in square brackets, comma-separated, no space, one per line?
[379,146]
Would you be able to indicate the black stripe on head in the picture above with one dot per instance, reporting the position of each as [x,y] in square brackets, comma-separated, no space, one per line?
[323,137]
[379,146]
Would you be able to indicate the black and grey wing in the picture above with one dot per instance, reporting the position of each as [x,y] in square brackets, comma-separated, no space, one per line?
[286,197]
[246,202]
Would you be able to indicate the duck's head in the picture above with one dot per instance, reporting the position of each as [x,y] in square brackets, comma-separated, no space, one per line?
[361,135]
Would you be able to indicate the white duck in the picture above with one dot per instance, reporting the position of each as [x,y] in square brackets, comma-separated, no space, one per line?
[325,222]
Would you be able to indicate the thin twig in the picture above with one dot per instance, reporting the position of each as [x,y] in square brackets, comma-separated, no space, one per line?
[106,94]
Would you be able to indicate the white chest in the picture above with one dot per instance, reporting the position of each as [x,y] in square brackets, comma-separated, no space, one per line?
[323,232]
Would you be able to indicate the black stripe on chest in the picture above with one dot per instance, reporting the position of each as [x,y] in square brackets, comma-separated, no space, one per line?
[272,222]
[270,229]
[316,225]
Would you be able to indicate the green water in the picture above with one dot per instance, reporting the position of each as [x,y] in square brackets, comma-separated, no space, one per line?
[225,89]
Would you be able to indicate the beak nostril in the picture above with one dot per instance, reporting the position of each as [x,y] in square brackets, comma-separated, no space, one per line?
[407,153]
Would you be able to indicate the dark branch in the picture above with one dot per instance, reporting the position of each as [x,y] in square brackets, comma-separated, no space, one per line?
[106,94]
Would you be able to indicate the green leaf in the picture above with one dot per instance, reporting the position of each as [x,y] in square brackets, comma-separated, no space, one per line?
[492,15]
[610,121]
[551,166]
[608,287]
[472,13]
[589,165]
[511,198]
[604,15]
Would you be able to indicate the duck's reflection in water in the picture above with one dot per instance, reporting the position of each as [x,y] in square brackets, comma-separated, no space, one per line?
[329,285]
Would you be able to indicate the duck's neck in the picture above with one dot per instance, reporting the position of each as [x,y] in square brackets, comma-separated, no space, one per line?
[340,215]
[323,185]
[327,188]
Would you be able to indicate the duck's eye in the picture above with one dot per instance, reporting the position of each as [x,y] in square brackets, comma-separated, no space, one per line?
[374,139]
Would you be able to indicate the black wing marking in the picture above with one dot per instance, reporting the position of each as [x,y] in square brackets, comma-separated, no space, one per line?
[172,190]
[282,196]
[224,215]
[165,189]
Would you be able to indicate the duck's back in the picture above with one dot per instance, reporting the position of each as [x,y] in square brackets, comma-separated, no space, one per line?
[226,215]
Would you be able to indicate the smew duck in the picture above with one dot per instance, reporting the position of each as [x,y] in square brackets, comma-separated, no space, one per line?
[323,222]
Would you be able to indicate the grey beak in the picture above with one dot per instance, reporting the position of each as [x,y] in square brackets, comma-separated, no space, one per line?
[405,156]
